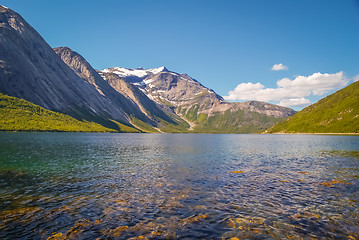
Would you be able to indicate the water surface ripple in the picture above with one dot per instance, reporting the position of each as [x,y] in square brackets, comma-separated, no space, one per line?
[178,186]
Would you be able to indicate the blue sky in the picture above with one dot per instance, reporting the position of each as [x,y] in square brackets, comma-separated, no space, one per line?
[228,45]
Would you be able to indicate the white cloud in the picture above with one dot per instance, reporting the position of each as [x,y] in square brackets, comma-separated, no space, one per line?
[279,67]
[295,102]
[290,92]
[356,78]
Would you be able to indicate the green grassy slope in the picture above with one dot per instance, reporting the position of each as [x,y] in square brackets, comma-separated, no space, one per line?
[180,126]
[233,122]
[227,122]
[336,113]
[143,126]
[20,115]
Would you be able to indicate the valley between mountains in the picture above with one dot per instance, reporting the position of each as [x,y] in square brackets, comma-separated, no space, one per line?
[147,100]
[61,82]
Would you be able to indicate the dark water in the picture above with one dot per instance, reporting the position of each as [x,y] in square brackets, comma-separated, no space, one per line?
[170,186]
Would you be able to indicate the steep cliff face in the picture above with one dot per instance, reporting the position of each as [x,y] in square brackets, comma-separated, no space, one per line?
[121,98]
[31,70]
[150,108]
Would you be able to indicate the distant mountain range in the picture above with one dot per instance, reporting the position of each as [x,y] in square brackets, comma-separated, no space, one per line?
[147,100]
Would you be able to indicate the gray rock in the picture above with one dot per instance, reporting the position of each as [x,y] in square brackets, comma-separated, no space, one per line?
[180,90]
[30,69]
[115,99]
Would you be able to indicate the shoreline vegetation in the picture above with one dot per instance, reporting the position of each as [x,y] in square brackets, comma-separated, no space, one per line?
[304,133]
[19,115]
[64,93]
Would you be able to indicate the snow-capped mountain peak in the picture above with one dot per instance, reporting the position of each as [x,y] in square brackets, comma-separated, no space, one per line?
[158,70]
[137,72]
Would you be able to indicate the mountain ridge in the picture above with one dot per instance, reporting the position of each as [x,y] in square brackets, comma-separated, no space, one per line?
[154,86]
[154,100]
[190,100]
[84,70]
[31,70]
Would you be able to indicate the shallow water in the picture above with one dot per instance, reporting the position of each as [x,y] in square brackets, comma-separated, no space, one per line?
[187,186]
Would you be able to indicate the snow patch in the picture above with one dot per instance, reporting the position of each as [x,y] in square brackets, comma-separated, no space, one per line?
[157,70]
[150,96]
[148,81]
[143,90]
[176,74]
[138,72]
[159,91]
[140,84]
[102,75]
[173,102]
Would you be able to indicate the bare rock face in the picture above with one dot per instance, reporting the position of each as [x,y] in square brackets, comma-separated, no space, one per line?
[199,106]
[180,90]
[119,99]
[151,109]
[31,70]
[166,87]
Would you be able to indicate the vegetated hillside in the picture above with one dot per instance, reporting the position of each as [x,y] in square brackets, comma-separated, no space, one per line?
[20,115]
[336,113]
[233,120]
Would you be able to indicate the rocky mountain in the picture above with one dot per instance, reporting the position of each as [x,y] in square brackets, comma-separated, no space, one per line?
[31,70]
[119,93]
[152,109]
[198,105]
[336,113]
[164,86]
[180,90]
[149,99]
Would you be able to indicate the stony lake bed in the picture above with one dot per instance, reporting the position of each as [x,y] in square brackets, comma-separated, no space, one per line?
[178,186]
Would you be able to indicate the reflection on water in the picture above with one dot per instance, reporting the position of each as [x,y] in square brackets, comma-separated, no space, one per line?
[168,186]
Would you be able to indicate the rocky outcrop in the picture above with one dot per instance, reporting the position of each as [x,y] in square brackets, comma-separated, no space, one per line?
[124,99]
[152,109]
